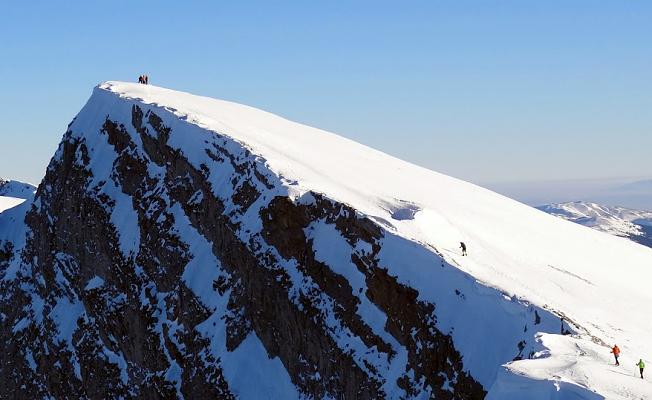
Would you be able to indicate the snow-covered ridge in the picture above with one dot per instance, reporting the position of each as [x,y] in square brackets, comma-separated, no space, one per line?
[242,241]
[12,193]
[519,250]
[618,221]
[17,189]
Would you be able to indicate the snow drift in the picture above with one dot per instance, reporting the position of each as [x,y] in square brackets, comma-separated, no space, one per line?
[182,246]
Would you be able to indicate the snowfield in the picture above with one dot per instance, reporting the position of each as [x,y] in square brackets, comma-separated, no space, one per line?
[9,202]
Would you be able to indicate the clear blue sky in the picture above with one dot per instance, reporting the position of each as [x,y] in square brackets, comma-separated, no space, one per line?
[487,91]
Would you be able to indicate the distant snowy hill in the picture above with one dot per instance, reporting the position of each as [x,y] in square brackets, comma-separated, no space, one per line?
[13,193]
[186,247]
[632,224]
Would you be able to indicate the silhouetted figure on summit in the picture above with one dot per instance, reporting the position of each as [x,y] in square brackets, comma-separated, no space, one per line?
[463,247]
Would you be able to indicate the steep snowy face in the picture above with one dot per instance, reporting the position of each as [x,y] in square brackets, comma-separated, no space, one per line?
[632,224]
[186,247]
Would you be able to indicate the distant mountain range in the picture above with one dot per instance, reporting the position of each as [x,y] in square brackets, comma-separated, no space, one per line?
[619,221]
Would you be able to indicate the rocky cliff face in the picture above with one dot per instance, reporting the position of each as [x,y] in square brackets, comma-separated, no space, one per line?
[153,269]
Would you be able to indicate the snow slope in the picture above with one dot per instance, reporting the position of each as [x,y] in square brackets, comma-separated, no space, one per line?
[13,193]
[619,221]
[596,280]
[9,202]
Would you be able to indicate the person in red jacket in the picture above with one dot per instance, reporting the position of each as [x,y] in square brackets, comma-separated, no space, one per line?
[616,351]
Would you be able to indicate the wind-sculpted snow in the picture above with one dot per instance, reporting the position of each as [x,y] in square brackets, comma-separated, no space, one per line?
[184,247]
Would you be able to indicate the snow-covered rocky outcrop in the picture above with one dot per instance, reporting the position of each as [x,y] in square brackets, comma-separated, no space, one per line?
[186,247]
[632,224]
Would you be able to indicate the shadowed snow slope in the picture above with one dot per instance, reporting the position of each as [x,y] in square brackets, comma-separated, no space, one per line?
[367,246]
[13,193]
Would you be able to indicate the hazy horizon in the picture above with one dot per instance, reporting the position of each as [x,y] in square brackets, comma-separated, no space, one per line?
[609,191]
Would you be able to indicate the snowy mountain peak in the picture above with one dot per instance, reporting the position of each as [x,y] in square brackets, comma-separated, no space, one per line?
[181,246]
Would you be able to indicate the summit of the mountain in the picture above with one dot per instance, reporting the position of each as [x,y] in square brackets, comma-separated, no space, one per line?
[186,247]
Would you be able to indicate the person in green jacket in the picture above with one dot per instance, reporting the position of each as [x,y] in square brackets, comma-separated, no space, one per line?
[641,366]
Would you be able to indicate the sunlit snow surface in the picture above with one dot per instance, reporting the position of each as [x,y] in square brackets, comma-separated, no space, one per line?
[9,202]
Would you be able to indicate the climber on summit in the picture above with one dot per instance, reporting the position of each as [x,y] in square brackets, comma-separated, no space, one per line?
[463,247]
[616,352]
